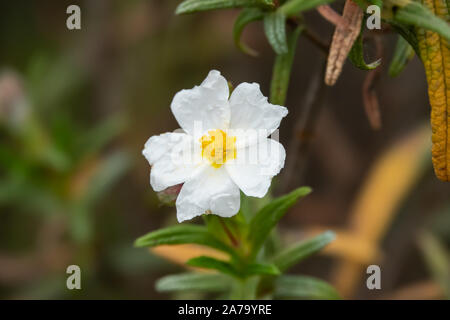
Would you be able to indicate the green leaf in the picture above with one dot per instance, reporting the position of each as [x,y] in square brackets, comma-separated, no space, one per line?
[215,264]
[282,70]
[194,282]
[293,7]
[246,16]
[298,252]
[364,3]
[356,55]
[407,32]
[275,29]
[402,55]
[417,15]
[179,234]
[302,287]
[377,3]
[190,6]
[262,269]
[263,222]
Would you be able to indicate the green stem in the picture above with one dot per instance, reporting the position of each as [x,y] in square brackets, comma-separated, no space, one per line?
[244,289]
[282,70]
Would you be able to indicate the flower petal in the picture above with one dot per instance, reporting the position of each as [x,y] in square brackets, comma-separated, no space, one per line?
[209,189]
[256,165]
[203,107]
[251,111]
[173,157]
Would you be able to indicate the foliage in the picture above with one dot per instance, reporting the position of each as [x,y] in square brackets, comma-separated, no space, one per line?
[249,259]
[254,268]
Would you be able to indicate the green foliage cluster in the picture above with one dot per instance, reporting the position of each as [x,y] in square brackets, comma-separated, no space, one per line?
[256,260]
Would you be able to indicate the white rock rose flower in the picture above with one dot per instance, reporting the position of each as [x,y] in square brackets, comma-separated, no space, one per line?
[223,147]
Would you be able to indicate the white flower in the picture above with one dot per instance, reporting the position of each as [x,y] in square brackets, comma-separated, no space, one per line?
[223,147]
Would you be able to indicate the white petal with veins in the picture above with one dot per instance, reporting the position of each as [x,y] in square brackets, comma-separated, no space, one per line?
[172,157]
[209,189]
[203,107]
[255,166]
[250,109]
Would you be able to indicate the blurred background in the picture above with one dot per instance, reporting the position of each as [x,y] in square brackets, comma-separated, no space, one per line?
[77,106]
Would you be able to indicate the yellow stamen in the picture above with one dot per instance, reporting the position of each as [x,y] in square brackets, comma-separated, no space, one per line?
[217,147]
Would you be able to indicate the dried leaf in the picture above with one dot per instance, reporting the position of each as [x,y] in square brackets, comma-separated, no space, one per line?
[332,16]
[343,39]
[370,98]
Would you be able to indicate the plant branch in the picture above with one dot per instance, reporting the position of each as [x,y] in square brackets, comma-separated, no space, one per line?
[317,41]
[234,241]
[303,130]
[310,35]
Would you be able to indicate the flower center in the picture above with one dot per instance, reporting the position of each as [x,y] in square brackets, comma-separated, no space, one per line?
[217,147]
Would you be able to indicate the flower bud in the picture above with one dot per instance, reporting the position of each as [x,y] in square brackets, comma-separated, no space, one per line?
[169,196]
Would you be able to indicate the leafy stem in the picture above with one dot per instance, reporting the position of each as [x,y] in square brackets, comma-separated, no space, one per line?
[234,241]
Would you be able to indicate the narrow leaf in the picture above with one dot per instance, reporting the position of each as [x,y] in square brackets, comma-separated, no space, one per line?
[294,7]
[194,282]
[329,14]
[377,3]
[298,252]
[364,3]
[215,264]
[343,39]
[190,6]
[179,234]
[402,55]
[262,223]
[414,13]
[304,288]
[262,269]
[370,99]
[434,52]
[275,29]
[406,31]
[282,70]
[356,55]
[246,16]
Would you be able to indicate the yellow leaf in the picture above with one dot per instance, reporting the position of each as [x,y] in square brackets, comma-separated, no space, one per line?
[388,183]
[435,54]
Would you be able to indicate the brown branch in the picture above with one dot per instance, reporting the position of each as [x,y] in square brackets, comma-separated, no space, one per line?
[311,35]
[230,235]
[303,130]
[317,41]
